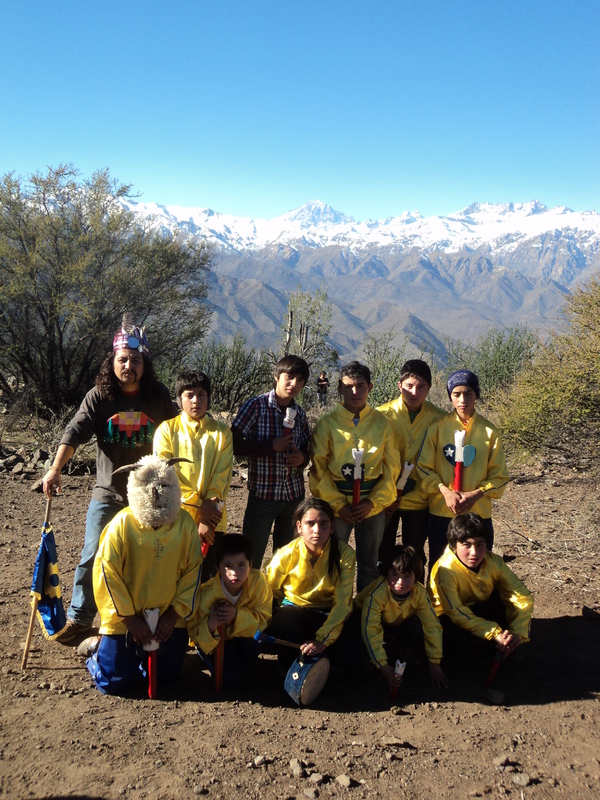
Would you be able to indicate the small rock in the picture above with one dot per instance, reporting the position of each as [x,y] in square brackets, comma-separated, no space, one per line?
[311,794]
[259,761]
[200,790]
[392,741]
[316,778]
[521,778]
[344,781]
[502,760]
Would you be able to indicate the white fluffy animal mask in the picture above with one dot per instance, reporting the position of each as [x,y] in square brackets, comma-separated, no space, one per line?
[153,490]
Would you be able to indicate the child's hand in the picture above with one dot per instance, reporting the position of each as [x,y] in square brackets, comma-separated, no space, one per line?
[507,642]
[166,625]
[139,629]
[468,500]
[282,443]
[206,533]
[221,613]
[208,513]
[294,457]
[351,514]
[345,514]
[390,677]
[362,510]
[394,507]
[438,679]
[312,648]
[451,497]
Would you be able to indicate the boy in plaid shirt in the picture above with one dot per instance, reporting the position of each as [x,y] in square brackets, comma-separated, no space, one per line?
[277,454]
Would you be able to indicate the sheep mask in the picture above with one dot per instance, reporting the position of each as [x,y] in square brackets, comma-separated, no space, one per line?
[153,490]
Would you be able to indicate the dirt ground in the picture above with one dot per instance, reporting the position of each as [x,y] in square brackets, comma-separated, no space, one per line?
[61,738]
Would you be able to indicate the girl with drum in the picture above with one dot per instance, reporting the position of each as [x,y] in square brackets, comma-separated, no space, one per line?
[312,578]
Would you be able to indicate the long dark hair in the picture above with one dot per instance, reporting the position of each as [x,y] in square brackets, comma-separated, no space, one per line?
[315,503]
[108,383]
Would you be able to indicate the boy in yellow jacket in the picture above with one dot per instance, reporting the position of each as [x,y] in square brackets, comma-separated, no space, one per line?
[355,425]
[475,589]
[238,598]
[207,445]
[484,474]
[411,415]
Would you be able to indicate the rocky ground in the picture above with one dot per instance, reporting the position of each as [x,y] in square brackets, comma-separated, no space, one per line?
[61,738]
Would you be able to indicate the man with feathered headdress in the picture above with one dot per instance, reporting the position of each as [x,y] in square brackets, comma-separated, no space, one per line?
[122,411]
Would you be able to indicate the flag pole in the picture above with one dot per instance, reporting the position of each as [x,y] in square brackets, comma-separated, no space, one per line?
[34,604]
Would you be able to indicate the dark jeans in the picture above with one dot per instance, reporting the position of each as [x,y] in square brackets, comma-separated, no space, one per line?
[367,536]
[83,606]
[260,517]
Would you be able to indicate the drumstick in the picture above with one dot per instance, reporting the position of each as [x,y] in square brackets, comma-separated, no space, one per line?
[264,638]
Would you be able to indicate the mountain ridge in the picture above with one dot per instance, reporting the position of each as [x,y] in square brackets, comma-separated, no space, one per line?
[428,278]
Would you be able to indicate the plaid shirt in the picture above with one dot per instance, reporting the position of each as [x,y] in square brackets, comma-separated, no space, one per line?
[259,420]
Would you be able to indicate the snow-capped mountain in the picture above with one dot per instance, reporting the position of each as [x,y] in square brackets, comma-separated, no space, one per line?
[500,227]
[428,278]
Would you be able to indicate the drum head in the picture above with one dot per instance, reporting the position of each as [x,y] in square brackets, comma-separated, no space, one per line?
[306,679]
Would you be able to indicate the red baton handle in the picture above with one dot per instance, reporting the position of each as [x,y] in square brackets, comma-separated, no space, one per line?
[458,474]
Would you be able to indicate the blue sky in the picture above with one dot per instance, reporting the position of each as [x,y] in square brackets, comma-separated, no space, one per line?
[254,107]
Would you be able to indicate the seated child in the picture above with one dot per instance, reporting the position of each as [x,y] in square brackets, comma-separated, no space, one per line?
[386,607]
[238,598]
[312,578]
[207,444]
[149,557]
[475,589]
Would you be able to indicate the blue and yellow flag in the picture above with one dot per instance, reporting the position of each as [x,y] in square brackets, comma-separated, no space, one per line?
[46,587]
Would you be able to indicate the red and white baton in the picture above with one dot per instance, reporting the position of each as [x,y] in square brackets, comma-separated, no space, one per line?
[152,615]
[459,459]
[357,456]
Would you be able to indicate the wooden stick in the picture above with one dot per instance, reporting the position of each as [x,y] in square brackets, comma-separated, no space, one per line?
[220,658]
[264,638]
[35,600]
[29,633]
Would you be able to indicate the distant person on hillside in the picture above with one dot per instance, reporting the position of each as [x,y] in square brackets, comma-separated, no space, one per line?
[122,411]
[354,425]
[207,444]
[484,473]
[322,388]
[410,416]
[272,432]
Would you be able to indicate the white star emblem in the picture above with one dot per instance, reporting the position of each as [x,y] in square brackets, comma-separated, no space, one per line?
[449,452]
[347,471]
